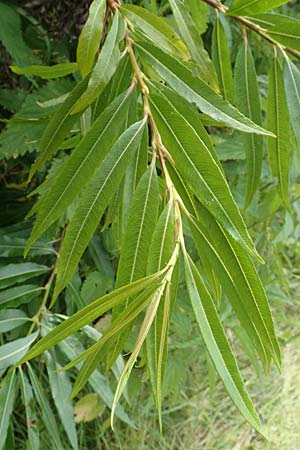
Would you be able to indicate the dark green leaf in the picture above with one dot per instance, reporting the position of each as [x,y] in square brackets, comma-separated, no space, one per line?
[7,398]
[30,410]
[16,273]
[11,319]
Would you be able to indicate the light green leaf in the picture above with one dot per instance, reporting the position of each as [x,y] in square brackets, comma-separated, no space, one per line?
[93,203]
[90,313]
[217,344]
[283,29]
[292,93]
[248,102]
[105,66]
[193,40]
[81,165]
[195,90]
[156,29]
[47,414]
[46,72]
[182,139]
[16,273]
[253,7]
[57,128]
[200,14]
[19,295]
[31,416]
[221,60]
[61,388]
[7,398]
[11,353]
[11,319]
[90,37]
[278,122]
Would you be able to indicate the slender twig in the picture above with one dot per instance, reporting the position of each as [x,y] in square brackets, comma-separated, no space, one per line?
[245,22]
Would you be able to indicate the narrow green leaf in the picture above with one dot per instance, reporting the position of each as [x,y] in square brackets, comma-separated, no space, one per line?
[292,93]
[19,295]
[11,246]
[278,122]
[90,36]
[90,313]
[58,127]
[195,90]
[93,203]
[105,66]
[61,388]
[16,273]
[283,29]
[47,72]
[7,398]
[81,165]
[217,344]
[200,14]
[30,410]
[221,60]
[193,40]
[47,414]
[11,353]
[248,102]
[156,29]
[200,168]
[253,7]
[11,319]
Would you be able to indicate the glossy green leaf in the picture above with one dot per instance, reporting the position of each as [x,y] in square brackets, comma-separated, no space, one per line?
[278,122]
[222,62]
[16,273]
[105,66]
[252,7]
[30,410]
[193,40]
[58,128]
[156,29]
[217,344]
[248,102]
[11,319]
[195,90]
[90,313]
[47,72]
[7,398]
[19,295]
[292,93]
[93,203]
[283,29]
[200,168]
[61,388]
[11,353]
[81,165]
[47,413]
[90,37]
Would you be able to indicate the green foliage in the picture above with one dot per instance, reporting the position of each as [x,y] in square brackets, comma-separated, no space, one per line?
[144,158]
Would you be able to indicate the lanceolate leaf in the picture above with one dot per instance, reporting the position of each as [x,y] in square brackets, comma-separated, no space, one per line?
[292,92]
[155,28]
[192,38]
[278,122]
[11,319]
[93,203]
[18,295]
[221,60]
[252,7]
[89,39]
[7,397]
[217,344]
[240,282]
[11,353]
[47,414]
[58,128]
[81,165]
[47,72]
[105,66]
[195,163]
[90,312]
[284,29]
[16,273]
[195,90]
[248,102]
[30,410]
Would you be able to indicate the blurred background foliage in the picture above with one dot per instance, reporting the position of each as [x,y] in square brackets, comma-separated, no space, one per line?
[196,414]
